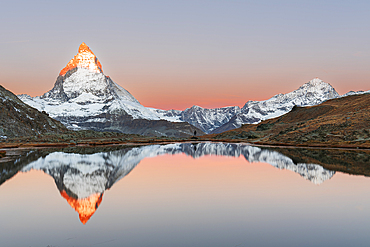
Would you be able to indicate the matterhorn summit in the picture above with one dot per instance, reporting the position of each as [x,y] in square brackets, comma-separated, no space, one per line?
[82,82]
[85,58]
[84,98]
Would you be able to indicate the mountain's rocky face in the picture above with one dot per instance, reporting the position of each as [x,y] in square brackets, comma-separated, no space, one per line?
[19,119]
[84,98]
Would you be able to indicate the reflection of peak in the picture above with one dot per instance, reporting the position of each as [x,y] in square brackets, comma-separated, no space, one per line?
[83,178]
[84,207]
[82,175]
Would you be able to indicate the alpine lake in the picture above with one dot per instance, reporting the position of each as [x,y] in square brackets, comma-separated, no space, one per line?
[185,194]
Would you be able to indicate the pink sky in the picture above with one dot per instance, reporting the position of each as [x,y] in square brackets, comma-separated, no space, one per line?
[206,53]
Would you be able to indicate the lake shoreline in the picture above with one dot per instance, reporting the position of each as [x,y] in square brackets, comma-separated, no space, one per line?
[150,141]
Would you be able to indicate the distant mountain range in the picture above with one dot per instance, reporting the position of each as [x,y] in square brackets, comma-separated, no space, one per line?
[219,120]
[84,98]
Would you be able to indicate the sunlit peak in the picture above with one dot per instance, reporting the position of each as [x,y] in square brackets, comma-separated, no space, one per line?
[85,58]
[84,48]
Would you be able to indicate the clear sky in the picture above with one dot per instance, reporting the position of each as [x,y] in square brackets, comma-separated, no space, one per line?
[175,54]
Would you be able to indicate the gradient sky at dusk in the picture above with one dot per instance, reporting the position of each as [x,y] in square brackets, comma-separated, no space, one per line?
[174,54]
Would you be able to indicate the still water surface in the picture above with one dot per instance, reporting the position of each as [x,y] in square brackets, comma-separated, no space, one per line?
[205,194]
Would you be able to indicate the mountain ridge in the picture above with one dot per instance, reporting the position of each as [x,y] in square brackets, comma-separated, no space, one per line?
[313,92]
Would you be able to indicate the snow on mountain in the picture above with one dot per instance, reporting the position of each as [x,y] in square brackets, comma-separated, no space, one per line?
[311,93]
[82,90]
[202,118]
[85,58]
[218,120]
[354,93]
[87,94]
[84,98]
[169,115]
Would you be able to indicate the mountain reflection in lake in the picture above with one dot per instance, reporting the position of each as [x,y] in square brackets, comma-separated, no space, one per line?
[82,176]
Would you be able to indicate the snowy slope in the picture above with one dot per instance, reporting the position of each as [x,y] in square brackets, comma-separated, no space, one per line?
[83,93]
[88,94]
[354,93]
[311,93]
[84,98]
[202,118]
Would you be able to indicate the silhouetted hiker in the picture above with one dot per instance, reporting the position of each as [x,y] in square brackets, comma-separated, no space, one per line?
[195,132]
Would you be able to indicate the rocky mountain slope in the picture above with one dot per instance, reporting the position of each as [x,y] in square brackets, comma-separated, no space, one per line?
[340,121]
[19,119]
[84,98]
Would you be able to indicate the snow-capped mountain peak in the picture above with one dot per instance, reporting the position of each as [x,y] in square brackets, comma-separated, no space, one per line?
[314,82]
[83,94]
[311,93]
[85,58]
[84,98]
[317,85]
